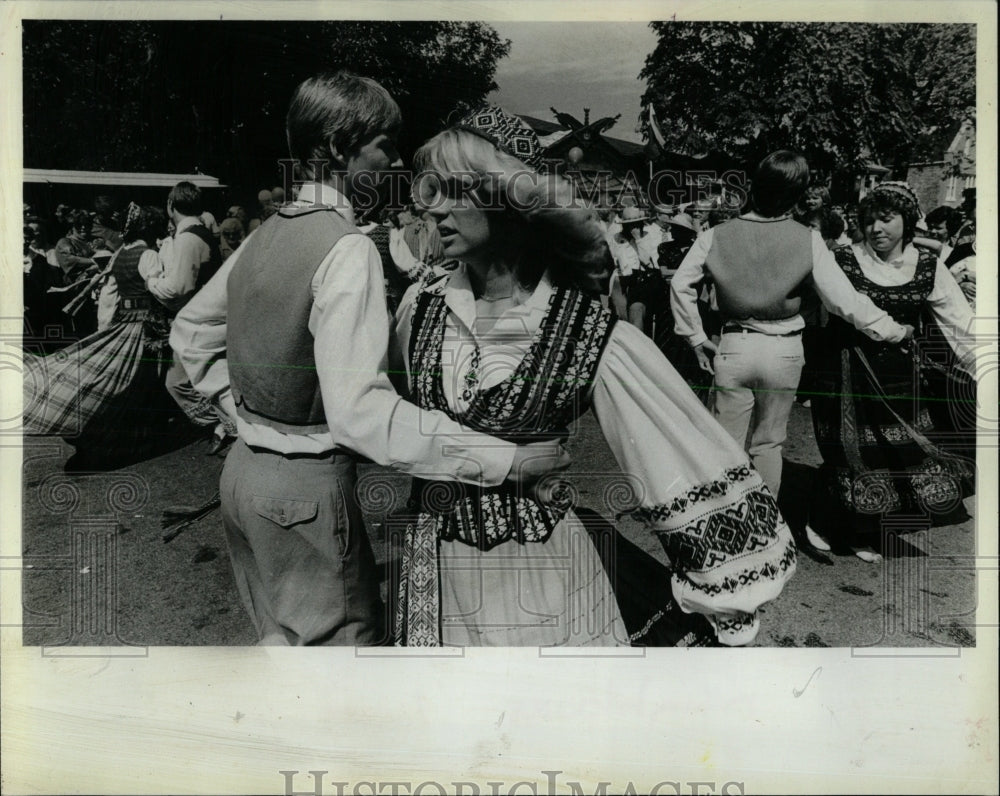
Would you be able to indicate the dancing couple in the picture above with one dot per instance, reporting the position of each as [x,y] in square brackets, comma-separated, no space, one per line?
[501,356]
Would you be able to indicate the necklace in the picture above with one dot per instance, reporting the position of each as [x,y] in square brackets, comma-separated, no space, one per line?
[498,298]
[472,375]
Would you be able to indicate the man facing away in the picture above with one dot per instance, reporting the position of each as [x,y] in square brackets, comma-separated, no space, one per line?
[761,263]
[292,338]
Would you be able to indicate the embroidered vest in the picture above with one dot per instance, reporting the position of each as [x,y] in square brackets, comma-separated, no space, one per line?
[547,391]
[903,302]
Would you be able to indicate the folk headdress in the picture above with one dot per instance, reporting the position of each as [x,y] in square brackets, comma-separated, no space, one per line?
[506,132]
[131,216]
[900,190]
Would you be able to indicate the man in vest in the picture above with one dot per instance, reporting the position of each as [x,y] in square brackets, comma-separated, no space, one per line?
[188,260]
[292,338]
[191,256]
[759,264]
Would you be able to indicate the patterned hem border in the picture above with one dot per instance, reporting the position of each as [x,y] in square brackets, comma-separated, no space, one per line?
[721,487]
[766,571]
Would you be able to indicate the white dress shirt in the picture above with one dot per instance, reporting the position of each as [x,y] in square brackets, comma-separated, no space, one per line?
[350,326]
[182,257]
[831,284]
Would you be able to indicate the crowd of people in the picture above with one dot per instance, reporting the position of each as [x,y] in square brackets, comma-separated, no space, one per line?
[86,279]
[458,338]
[893,423]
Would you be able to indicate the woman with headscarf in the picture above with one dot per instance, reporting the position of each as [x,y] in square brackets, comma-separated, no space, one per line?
[876,430]
[105,393]
[515,342]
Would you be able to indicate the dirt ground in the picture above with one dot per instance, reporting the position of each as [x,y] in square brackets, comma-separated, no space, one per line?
[97,571]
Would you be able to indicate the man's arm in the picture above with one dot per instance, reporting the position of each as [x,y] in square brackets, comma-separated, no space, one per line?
[840,298]
[684,291]
[351,330]
[198,337]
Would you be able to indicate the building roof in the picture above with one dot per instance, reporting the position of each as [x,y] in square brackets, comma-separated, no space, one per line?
[540,126]
[545,129]
[118,178]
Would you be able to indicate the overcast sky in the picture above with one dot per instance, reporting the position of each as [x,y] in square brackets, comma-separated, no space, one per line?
[573,65]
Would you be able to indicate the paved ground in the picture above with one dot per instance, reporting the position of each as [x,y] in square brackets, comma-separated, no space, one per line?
[182,592]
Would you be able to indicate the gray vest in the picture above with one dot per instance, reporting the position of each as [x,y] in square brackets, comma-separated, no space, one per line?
[759,267]
[272,369]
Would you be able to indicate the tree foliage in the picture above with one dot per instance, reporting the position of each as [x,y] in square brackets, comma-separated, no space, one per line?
[181,96]
[840,93]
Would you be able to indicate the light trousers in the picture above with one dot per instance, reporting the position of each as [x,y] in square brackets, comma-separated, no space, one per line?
[756,376]
[300,551]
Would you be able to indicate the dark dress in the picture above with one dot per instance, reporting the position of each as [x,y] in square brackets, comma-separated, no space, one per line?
[105,393]
[875,427]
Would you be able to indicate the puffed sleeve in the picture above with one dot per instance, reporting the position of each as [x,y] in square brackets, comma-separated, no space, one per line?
[954,316]
[729,547]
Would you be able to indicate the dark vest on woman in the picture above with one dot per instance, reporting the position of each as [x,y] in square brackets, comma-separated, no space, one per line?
[759,267]
[547,391]
[272,368]
[125,270]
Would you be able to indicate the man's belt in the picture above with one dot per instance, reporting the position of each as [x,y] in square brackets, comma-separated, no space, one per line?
[142,303]
[736,328]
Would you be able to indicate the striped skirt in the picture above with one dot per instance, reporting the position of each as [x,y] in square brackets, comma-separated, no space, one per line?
[104,393]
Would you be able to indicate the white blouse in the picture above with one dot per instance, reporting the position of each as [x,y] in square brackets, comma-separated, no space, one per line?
[946,302]
[658,430]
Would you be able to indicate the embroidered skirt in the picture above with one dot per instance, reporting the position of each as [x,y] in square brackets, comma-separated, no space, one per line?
[874,435]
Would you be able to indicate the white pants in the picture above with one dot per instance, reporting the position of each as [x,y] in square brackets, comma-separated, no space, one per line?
[756,376]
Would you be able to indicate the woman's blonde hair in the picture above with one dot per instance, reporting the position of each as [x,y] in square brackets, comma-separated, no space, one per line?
[554,230]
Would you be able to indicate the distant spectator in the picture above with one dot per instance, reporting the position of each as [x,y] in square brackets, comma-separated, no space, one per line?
[209,222]
[830,225]
[74,252]
[267,209]
[278,196]
[943,223]
[106,230]
[408,223]
[232,235]
[240,214]
[717,216]
[659,231]
[395,280]
[853,231]
[36,281]
[948,235]
[60,221]
[698,211]
[813,200]
[965,238]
